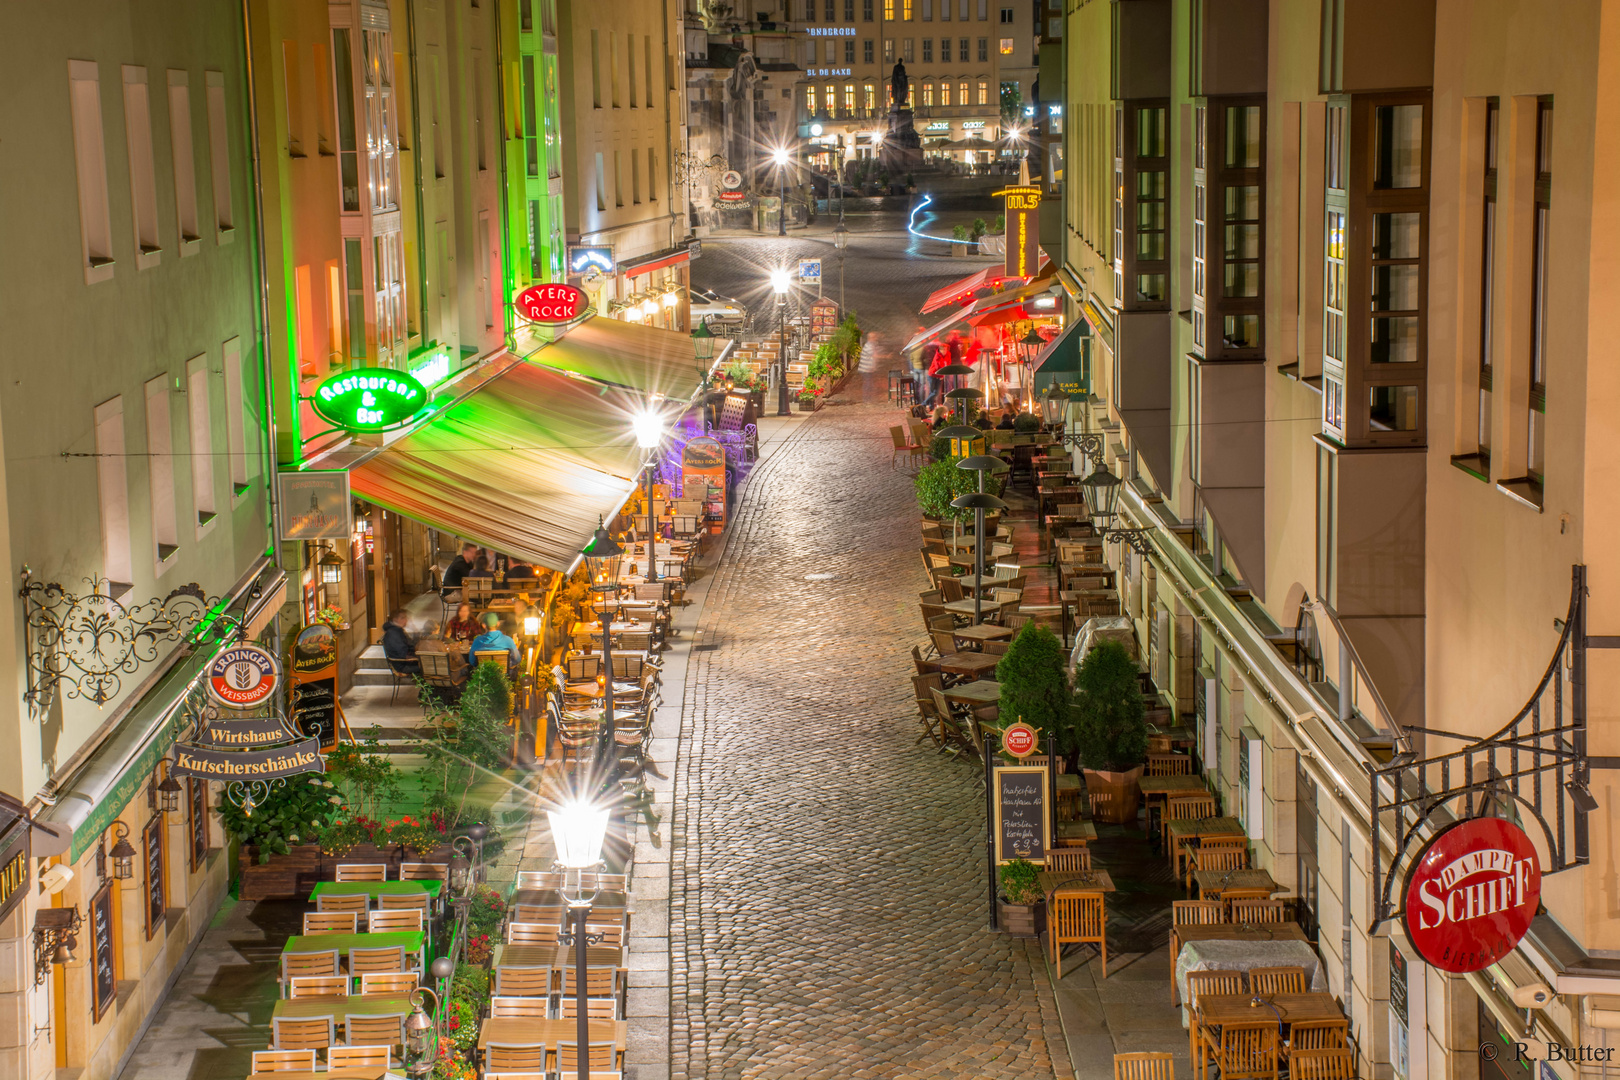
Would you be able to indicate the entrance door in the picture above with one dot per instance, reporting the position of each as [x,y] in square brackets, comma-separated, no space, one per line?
[1506,1066]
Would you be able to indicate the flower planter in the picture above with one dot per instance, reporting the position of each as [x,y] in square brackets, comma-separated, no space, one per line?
[290,876]
[809,406]
[1021,920]
[1121,791]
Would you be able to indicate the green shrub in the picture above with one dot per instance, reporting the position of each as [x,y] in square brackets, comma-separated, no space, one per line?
[1001,224]
[1110,729]
[979,227]
[292,813]
[464,742]
[1033,686]
[1019,883]
[1025,423]
[485,912]
[960,232]
[938,483]
[939,448]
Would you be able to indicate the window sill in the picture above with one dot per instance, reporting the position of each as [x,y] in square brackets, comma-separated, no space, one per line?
[165,552]
[1523,489]
[146,258]
[189,245]
[98,270]
[227,236]
[1476,465]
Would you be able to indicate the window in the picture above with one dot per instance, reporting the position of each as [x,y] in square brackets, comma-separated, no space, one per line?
[849,99]
[871,99]
[630,67]
[160,468]
[142,178]
[1396,270]
[984,92]
[849,11]
[928,55]
[1006,15]
[810,100]
[962,93]
[905,10]
[829,99]
[613,67]
[927,10]
[909,52]
[112,484]
[888,11]
[1334,287]
[295,98]
[348,160]
[202,440]
[866,49]
[849,50]
[185,170]
[945,94]
[531,132]
[984,10]
[244,462]
[1327,476]
[354,275]
[831,52]
[652,175]
[1398,146]
[945,10]
[646,70]
[90,161]
[220,149]
[1393,408]
[601,183]
[1536,442]
[888,50]
[984,52]
[618,178]
[962,55]
[866,12]
[829,12]
[596,69]
[635,176]
[1006,46]
[962,10]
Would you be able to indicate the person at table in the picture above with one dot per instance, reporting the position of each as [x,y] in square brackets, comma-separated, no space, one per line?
[459,568]
[1006,421]
[520,571]
[492,640]
[429,640]
[463,627]
[397,645]
[481,568]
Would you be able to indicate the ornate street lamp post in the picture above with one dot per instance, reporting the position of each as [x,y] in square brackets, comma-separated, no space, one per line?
[577,831]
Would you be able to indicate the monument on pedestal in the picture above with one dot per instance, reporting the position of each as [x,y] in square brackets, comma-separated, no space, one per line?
[902,146]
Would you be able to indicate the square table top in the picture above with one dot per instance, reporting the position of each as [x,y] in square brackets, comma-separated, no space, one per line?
[984,632]
[341,1008]
[412,941]
[980,692]
[375,888]
[1098,880]
[1220,1009]
[966,543]
[604,901]
[1188,828]
[969,663]
[965,607]
[358,1072]
[523,1030]
[1212,883]
[1168,785]
[1283,931]
[974,581]
[555,957]
[1077,830]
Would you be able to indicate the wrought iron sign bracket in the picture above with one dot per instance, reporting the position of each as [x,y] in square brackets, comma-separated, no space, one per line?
[54,927]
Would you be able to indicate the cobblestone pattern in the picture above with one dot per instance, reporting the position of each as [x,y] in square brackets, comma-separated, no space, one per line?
[828,891]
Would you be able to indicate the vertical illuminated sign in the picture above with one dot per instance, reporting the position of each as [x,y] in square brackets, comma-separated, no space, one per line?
[1023,230]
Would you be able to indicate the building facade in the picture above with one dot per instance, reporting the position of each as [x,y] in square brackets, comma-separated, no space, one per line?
[135,461]
[1329,293]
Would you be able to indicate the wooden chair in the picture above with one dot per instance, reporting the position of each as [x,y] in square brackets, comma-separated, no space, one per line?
[1080,917]
[598,1056]
[1169,765]
[539,879]
[362,871]
[1144,1067]
[318,986]
[438,671]
[515,1057]
[304,964]
[1245,894]
[384,959]
[1069,859]
[1200,983]
[550,914]
[522,981]
[1247,1051]
[595,1008]
[423,871]
[600,981]
[1277,980]
[271,1061]
[516,1005]
[357,1057]
[403,902]
[1337,1064]
[355,902]
[1190,913]
[1222,859]
[388,982]
[1176,810]
[330,922]
[1248,911]
[302,1033]
[385,922]
[380,1030]
[951,589]
[522,933]
[612,934]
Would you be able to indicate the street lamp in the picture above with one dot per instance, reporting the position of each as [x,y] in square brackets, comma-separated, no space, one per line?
[1102,497]
[703,341]
[599,555]
[442,970]
[979,501]
[169,794]
[781,156]
[649,427]
[421,1036]
[780,283]
[577,831]
[840,241]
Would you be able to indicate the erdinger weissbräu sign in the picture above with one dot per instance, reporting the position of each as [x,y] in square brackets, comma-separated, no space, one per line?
[238,749]
[1471,894]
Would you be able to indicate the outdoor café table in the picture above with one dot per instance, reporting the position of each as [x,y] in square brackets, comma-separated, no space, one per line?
[970,664]
[965,607]
[1212,884]
[1082,831]
[983,632]
[1282,931]
[556,957]
[604,900]
[1188,830]
[358,1072]
[375,889]
[412,941]
[972,583]
[526,1030]
[1219,1009]
[1077,880]
[1171,785]
[964,543]
[1182,735]
[982,692]
[341,1008]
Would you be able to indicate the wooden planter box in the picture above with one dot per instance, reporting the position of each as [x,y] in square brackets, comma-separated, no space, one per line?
[1021,920]
[1121,791]
[289,876]
[811,407]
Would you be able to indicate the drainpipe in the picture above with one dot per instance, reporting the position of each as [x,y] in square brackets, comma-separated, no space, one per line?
[416,123]
[267,382]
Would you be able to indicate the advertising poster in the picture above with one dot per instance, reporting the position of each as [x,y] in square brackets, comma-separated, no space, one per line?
[703,476]
[316,711]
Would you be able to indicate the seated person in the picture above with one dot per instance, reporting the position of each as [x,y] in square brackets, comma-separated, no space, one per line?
[1006,421]
[428,640]
[520,571]
[397,645]
[463,627]
[491,640]
[458,570]
[481,568]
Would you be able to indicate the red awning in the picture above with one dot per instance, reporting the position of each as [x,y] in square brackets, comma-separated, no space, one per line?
[961,292]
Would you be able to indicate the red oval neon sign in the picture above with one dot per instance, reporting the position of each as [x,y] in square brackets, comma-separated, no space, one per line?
[1471,894]
[552,303]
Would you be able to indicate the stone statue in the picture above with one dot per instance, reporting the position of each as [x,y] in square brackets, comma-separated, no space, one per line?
[899,85]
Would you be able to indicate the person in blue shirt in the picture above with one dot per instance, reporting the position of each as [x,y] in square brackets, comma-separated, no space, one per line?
[492,640]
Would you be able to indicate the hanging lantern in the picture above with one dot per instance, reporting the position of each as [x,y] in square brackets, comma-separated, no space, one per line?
[123,856]
[169,794]
[331,564]
[1102,491]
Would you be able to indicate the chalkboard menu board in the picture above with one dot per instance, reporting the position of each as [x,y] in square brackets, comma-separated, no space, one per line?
[197,799]
[1020,812]
[153,834]
[104,988]
[314,684]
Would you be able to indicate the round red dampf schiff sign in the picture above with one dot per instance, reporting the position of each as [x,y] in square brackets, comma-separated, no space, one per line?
[1471,894]
[243,677]
[553,303]
[1019,740]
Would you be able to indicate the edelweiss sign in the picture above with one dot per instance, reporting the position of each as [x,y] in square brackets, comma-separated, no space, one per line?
[1471,894]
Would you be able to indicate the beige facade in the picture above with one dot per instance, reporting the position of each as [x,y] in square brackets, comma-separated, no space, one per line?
[1328,382]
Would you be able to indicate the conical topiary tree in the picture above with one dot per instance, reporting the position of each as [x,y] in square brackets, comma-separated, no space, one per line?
[1033,686]
[1110,728]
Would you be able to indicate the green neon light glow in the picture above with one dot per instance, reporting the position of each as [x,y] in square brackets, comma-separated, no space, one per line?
[433,370]
[373,400]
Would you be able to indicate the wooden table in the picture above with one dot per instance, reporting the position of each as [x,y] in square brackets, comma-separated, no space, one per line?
[1199,828]
[962,543]
[1172,785]
[1083,831]
[412,941]
[341,1008]
[1213,883]
[1219,1009]
[984,632]
[964,608]
[523,1030]
[1283,931]
[375,889]
[1077,880]
[1182,735]
[988,581]
[971,664]
[981,692]
[361,1072]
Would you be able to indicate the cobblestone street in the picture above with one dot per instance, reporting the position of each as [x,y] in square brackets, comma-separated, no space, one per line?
[828,900]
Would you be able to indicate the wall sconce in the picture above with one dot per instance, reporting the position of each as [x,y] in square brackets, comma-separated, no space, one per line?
[54,940]
[123,856]
[331,564]
[169,794]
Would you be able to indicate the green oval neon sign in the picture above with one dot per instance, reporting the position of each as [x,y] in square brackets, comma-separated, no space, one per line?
[370,400]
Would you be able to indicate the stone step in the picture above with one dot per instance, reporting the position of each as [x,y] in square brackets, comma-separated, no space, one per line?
[372,660]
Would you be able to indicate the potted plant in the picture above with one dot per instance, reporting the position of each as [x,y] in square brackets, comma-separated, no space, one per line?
[1110,729]
[1026,424]
[279,855]
[937,483]
[809,397]
[959,233]
[1034,688]
[1021,907]
[976,233]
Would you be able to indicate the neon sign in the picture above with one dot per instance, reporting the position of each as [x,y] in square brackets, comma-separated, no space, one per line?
[432,370]
[373,400]
[581,259]
[553,303]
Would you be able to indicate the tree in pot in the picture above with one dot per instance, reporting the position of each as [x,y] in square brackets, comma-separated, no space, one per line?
[1021,901]
[1033,687]
[1111,730]
[938,483]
